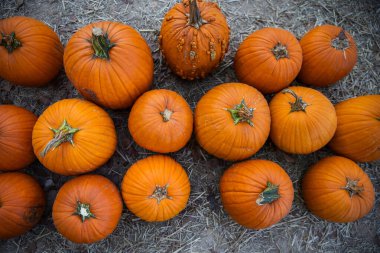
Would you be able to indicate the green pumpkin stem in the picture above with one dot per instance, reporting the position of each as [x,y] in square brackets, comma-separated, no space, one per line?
[83,211]
[299,104]
[160,193]
[195,18]
[269,195]
[10,42]
[352,187]
[101,43]
[166,114]
[242,113]
[280,51]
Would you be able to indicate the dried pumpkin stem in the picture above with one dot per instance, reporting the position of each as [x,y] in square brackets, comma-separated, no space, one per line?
[340,42]
[195,18]
[83,211]
[10,42]
[160,193]
[299,104]
[269,195]
[280,51]
[352,187]
[242,113]
[101,43]
[166,114]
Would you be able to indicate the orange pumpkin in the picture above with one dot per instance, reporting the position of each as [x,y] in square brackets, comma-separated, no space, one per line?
[338,190]
[303,120]
[232,121]
[16,126]
[161,121]
[358,133]
[156,188]
[194,38]
[30,51]
[109,63]
[269,59]
[22,203]
[74,136]
[87,209]
[256,193]
[329,54]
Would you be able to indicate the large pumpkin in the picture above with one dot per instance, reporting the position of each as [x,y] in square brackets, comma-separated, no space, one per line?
[329,54]
[87,209]
[338,190]
[256,193]
[194,38]
[232,121]
[74,136]
[109,63]
[30,51]
[156,188]
[22,203]
[269,59]
[16,126]
[303,120]
[161,121]
[358,133]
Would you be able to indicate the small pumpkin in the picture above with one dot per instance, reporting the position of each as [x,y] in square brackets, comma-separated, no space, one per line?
[338,190]
[109,63]
[256,193]
[358,132]
[303,120]
[16,126]
[74,136]
[87,209]
[329,54]
[232,121]
[30,51]
[268,59]
[156,188]
[22,203]
[194,38]
[161,121]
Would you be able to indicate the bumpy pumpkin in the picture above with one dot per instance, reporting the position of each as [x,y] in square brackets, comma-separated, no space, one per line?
[22,203]
[161,121]
[87,209]
[269,59]
[329,54]
[16,126]
[256,193]
[74,136]
[156,188]
[194,38]
[303,120]
[358,132]
[109,63]
[30,51]
[338,190]
[232,121]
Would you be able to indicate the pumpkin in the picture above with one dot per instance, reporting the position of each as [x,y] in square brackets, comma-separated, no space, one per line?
[256,193]
[358,132]
[329,54]
[156,188]
[232,121]
[268,59]
[194,38]
[161,121]
[109,63]
[303,120]
[338,190]
[87,209]
[74,136]
[30,51]
[22,203]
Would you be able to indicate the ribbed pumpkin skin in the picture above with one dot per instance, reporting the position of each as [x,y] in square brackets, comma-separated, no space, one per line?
[302,132]
[256,65]
[94,143]
[358,133]
[323,64]
[193,53]
[105,203]
[39,58]
[22,203]
[115,82]
[147,125]
[323,194]
[215,130]
[140,182]
[16,126]
[241,185]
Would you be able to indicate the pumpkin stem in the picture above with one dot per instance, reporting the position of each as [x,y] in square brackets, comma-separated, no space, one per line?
[299,104]
[160,193]
[63,134]
[269,195]
[195,18]
[166,114]
[101,43]
[10,42]
[340,42]
[352,187]
[242,113]
[280,51]
[83,211]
